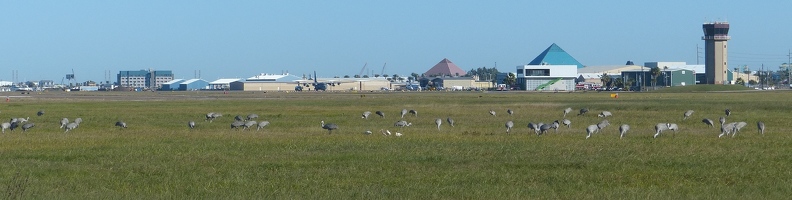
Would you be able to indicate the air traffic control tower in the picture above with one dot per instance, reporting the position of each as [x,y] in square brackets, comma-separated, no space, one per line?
[716,35]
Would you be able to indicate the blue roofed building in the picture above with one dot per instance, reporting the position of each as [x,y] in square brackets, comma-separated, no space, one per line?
[553,69]
[554,55]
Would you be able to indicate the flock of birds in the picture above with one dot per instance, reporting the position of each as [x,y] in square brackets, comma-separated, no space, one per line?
[541,128]
[247,123]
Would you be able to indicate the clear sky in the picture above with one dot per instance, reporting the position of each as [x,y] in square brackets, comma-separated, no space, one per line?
[239,39]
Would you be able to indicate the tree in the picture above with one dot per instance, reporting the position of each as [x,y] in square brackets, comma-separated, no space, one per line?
[414,75]
[365,76]
[618,82]
[629,83]
[376,75]
[357,76]
[510,79]
[606,80]
[346,76]
[655,72]
[483,73]
[740,81]
[752,82]
[385,75]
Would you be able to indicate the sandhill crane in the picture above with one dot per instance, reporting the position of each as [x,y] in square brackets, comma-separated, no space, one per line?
[509,126]
[722,120]
[14,125]
[27,126]
[40,113]
[673,127]
[450,121]
[380,113]
[623,130]
[591,129]
[330,127]
[737,127]
[604,114]
[567,111]
[121,124]
[239,118]
[63,122]
[583,111]
[249,124]
[728,112]
[492,112]
[438,121]
[262,124]
[191,124]
[555,126]
[726,129]
[414,113]
[659,128]
[366,114]
[602,124]
[402,124]
[252,116]
[543,129]
[761,126]
[567,123]
[510,111]
[687,114]
[534,127]
[708,122]
[397,134]
[403,112]
[70,126]
[5,125]
[212,116]
[367,132]
[236,124]
[78,121]
[385,132]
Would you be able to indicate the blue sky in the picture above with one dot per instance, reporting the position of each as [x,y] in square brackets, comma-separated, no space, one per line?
[238,39]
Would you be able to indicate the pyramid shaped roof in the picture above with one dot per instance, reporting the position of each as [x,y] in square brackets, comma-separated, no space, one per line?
[554,55]
[445,67]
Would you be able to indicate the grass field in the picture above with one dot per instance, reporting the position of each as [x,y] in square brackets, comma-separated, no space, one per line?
[158,157]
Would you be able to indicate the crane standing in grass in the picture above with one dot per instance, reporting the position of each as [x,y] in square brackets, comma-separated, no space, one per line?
[329,127]
[761,126]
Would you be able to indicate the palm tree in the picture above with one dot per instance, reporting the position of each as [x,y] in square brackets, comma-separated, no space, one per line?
[605,80]
[655,72]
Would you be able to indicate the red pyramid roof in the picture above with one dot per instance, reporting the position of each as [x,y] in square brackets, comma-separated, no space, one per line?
[445,67]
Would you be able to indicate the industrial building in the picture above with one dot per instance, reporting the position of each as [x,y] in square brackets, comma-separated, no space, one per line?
[553,69]
[193,84]
[171,85]
[266,82]
[223,83]
[667,78]
[144,78]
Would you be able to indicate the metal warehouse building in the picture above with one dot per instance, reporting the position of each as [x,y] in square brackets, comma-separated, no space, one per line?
[172,85]
[667,77]
[193,84]
[266,82]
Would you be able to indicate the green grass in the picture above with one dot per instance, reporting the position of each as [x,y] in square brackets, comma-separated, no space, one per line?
[157,157]
[703,88]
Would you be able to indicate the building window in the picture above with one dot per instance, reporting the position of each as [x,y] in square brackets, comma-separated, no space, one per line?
[537,72]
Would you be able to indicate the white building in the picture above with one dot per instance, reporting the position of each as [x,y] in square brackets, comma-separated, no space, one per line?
[547,77]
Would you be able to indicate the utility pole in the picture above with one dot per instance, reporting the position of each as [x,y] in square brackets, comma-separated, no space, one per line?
[787,67]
